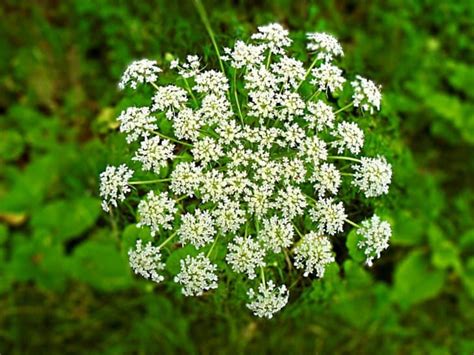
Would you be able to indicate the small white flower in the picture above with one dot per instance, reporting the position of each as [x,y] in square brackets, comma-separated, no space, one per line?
[185,178]
[215,109]
[350,137]
[313,149]
[321,116]
[274,37]
[293,134]
[114,185]
[229,216]
[245,255]
[188,69]
[169,97]
[197,275]
[291,105]
[228,131]
[244,54]
[237,182]
[326,45]
[213,186]
[197,229]
[294,170]
[291,201]
[258,199]
[186,124]
[289,72]
[260,79]
[207,150]
[156,211]
[211,82]
[376,234]
[154,153]
[264,137]
[139,72]
[269,300]
[366,95]
[136,122]
[329,216]
[146,261]
[328,77]
[326,178]
[262,104]
[277,234]
[267,171]
[372,176]
[313,253]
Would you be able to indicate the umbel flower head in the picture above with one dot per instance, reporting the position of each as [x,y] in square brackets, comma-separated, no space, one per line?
[253,172]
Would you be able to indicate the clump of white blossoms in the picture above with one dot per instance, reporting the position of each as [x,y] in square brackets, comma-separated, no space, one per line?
[254,169]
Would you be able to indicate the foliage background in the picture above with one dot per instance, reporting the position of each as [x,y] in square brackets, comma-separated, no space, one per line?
[65,286]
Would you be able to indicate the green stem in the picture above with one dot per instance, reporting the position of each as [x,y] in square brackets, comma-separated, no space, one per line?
[213,245]
[344,158]
[167,240]
[172,139]
[344,108]
[307,72]
[155,86]
[205,20]
[262,272]
[312,199]
[142,182]
[316,93]
[181,198]
[297,230]
[346,174]
[188,87]
[236,96]
[352,223]
[268,60]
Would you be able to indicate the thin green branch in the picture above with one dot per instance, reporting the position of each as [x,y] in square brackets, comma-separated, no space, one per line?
[352,223]
[167,240]
[344,108]
[336,157]
[205,20]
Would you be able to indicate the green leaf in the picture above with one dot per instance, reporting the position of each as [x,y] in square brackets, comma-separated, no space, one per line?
[467,276]
[445,253]
[101,265]
[11,145]
[173,261]
[356,253]
[416,280]
[407,230]
[67,218]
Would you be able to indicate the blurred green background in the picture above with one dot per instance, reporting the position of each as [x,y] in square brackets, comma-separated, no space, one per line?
[65,285]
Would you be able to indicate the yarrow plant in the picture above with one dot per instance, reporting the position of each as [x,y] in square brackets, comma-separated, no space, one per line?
[247,166]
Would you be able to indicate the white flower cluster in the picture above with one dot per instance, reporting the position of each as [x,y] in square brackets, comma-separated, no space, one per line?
[375,234]
[269,299]
[252,157]
[114,185]
[313,254]
[146,261]
[372,176]
[140,72]
[197,275]
[156,211]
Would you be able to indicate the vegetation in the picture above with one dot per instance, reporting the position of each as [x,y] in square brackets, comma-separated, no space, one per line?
[65,283]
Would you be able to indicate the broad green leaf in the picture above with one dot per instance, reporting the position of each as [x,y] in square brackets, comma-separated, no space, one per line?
[445,253]
[101,265]
[356,253]
[416,280]
[67,218]
[173,261]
